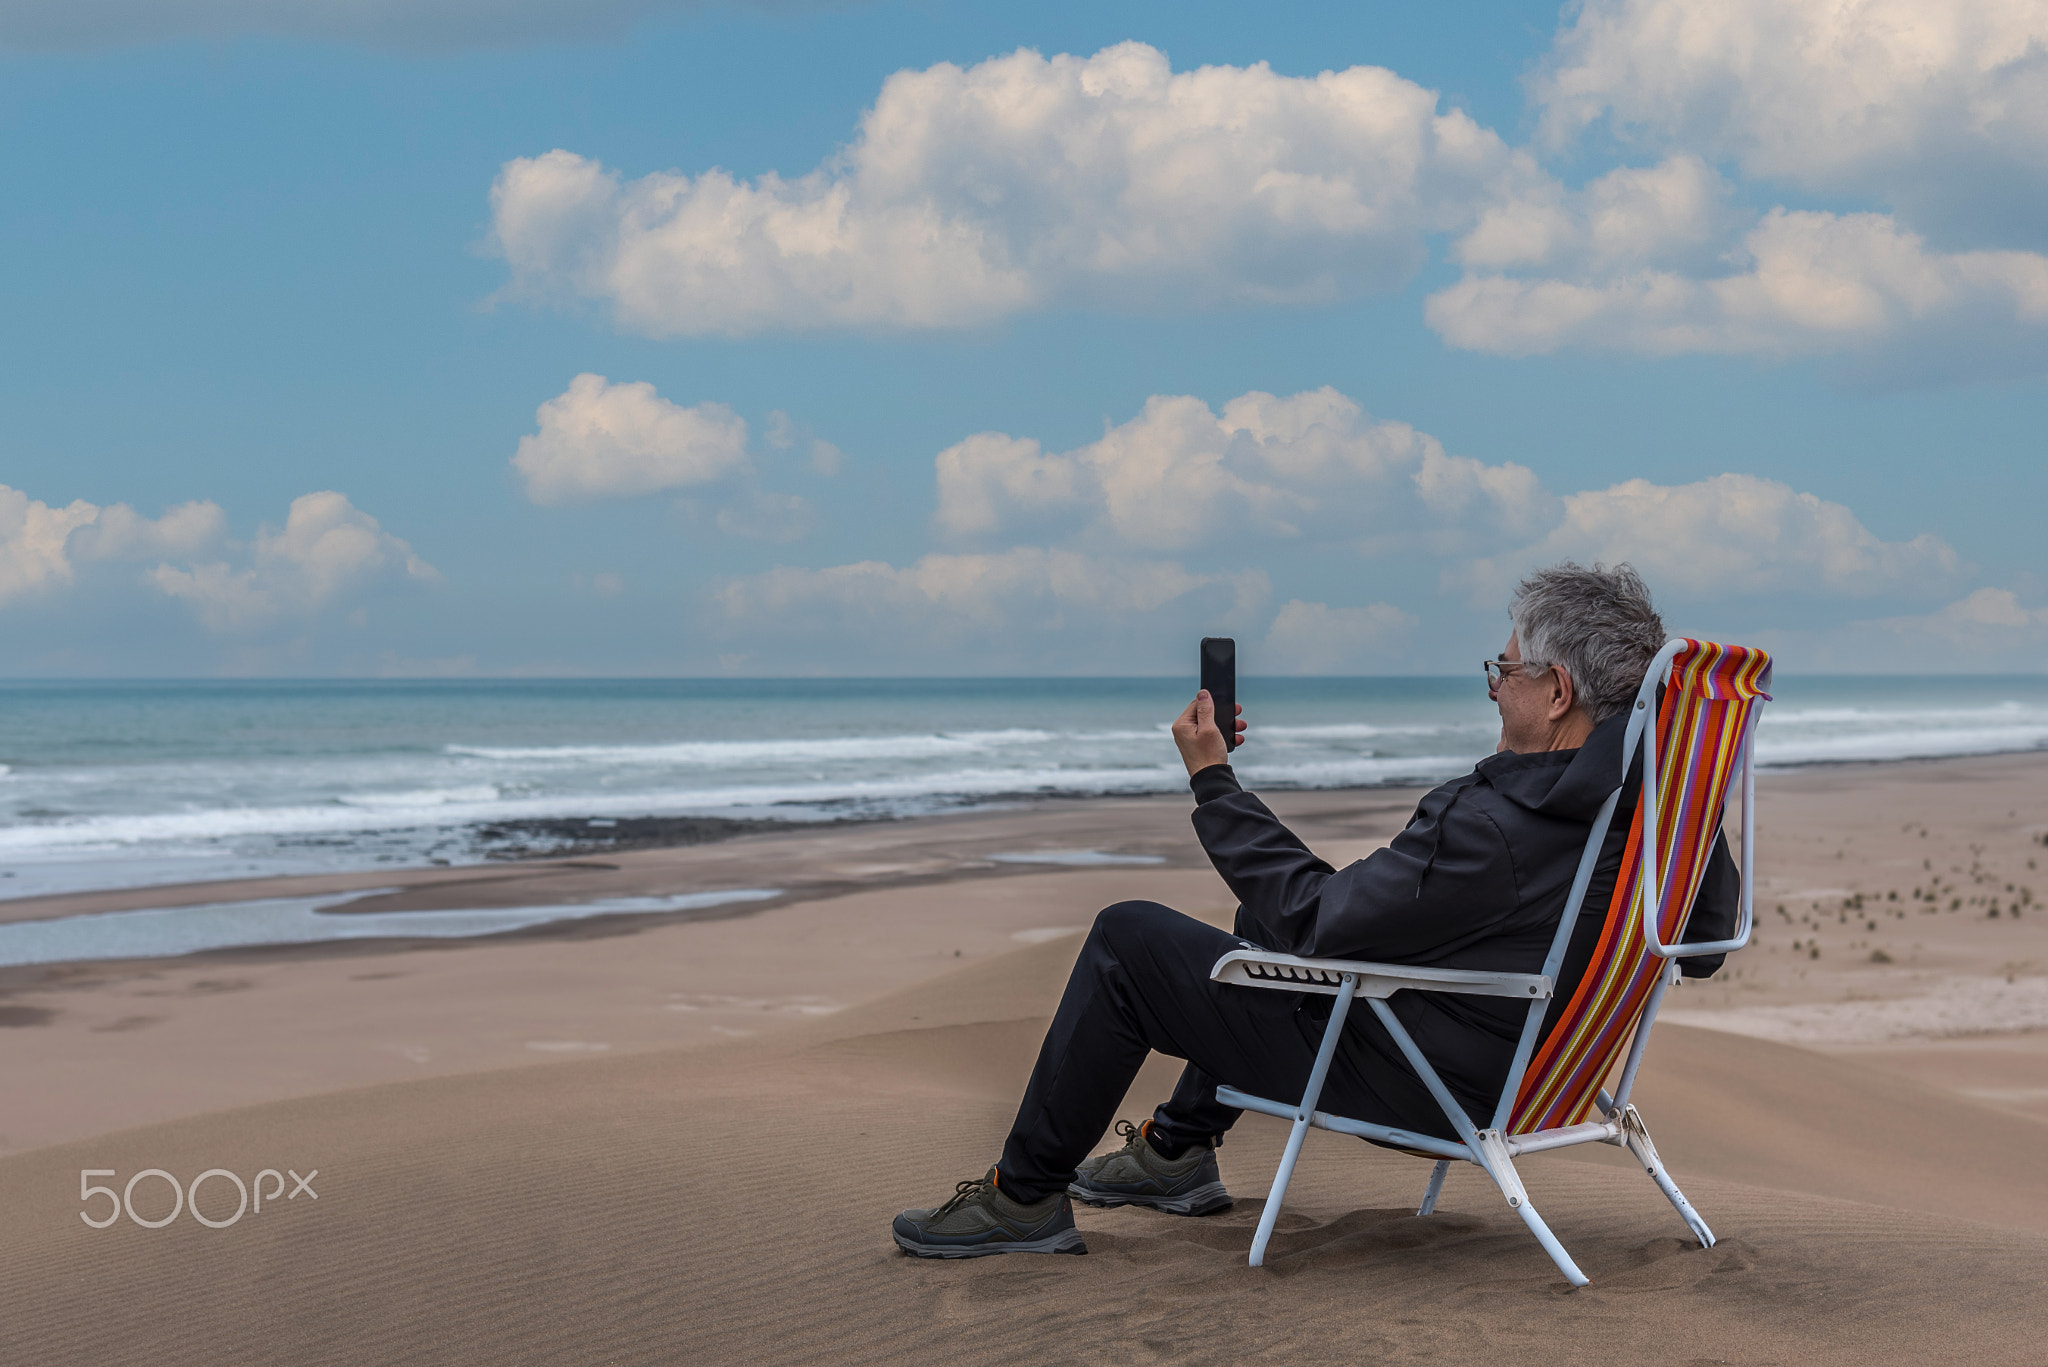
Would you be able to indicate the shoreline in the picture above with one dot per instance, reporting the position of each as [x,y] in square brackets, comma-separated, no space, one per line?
[716,852]
[336,829]
[551,879]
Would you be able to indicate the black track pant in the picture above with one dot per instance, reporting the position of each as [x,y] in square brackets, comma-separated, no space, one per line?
[1142,983]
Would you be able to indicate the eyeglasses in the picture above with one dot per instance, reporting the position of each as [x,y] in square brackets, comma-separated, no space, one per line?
[1496,670]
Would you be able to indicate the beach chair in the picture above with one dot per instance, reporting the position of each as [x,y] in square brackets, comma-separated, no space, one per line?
[1554,1097]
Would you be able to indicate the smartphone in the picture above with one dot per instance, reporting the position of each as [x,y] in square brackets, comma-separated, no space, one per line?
[1219,676]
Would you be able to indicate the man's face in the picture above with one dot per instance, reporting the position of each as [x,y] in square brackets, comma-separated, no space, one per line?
[1523,699]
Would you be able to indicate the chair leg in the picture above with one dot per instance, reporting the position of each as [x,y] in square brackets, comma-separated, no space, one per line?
[1637,1136]
[1270,1216]
[1550,1244]
[1491,1147]
[1435,1187]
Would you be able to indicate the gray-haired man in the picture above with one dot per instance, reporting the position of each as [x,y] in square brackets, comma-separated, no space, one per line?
[1477,880]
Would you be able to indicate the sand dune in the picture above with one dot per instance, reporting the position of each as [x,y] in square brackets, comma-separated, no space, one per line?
[730,1203]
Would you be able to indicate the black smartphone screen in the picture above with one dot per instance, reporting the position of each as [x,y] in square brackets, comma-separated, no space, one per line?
[1219,676]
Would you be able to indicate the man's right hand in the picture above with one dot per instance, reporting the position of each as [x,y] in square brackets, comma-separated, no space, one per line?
[1199,738]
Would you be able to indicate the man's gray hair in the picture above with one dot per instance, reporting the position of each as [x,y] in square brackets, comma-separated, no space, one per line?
[1597,623]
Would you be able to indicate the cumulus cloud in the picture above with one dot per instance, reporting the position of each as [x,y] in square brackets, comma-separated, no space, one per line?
[41,546]
[1179,522]
[603,440]
[431,25]
[599,440]
[222,598]
[326,548]
[121,533]
[1936,109]
[1315,638]
[1179,476]
[969,194]
[1808,282]
[32,541]
[1112,181]
[1673,214]
[1730,535]
[1936,106]
[1988,630]
[1172,524]
[1018,609]
[986,589]
[327,543]
[1996,613]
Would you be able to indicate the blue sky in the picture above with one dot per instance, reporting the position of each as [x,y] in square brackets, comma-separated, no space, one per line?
[954,394]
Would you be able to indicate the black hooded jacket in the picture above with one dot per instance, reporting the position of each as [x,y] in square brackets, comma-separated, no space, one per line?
[1477,880]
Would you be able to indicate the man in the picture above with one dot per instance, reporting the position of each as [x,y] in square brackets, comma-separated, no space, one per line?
[1478,879]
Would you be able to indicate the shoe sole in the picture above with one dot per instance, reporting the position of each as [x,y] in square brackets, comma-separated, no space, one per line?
[1066,1241]
[1206,1200]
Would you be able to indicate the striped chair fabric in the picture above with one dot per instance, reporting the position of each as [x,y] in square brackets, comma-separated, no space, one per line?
[1701,723]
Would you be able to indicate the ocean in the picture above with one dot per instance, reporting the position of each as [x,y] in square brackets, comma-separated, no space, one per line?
[116,784]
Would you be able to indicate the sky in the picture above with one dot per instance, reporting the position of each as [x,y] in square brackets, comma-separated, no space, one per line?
[629,337]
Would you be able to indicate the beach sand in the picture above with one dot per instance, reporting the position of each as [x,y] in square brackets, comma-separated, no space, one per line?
[680,1138]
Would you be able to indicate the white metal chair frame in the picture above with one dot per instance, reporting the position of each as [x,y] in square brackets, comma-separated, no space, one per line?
[1493,1150]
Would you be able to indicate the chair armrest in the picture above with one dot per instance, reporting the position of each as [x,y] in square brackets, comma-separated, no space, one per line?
[1289,973]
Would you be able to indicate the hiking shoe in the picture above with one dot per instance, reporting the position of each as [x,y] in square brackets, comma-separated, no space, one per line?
[1136,1175]
[980,1220]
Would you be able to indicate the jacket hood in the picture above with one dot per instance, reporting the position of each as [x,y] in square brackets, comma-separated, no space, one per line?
[1567,783]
